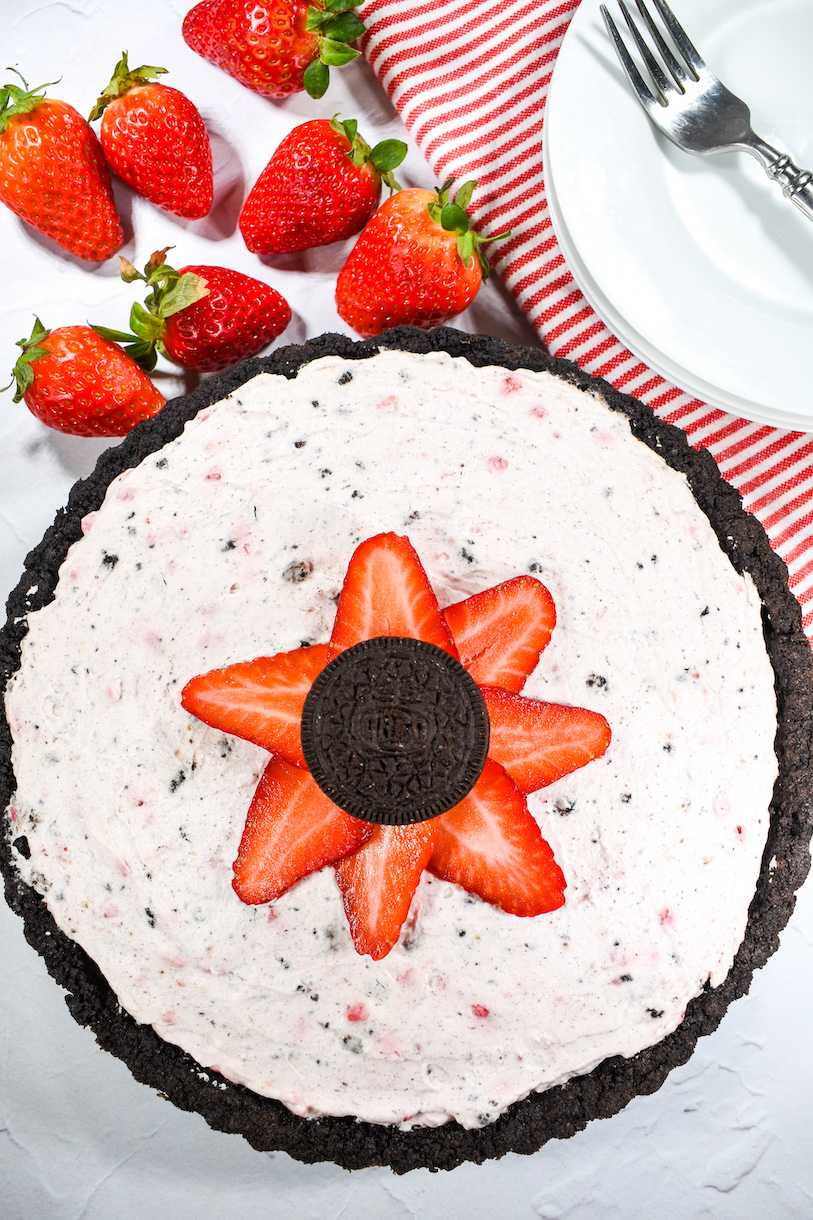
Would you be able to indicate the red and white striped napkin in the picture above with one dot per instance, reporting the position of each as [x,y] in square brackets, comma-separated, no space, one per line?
[470,80]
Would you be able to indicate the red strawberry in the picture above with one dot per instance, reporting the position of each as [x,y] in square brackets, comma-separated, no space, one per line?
[260,700]
[491,846]
[321,185]
[238,316]
[292,830]
[77,382]
[500,633]
[204,318]
[53,174]
[275,47]
[387,592]
[537,742]
[417,262]
[155,140]
[377,883]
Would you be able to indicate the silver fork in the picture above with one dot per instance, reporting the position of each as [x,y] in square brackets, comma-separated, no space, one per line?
[690,105]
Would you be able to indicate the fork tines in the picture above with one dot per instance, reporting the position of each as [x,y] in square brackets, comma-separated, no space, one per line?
[681,74]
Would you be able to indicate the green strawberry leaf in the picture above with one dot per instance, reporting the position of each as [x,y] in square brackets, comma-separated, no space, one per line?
[465,247]
[337,26]
[124,78]
[316,78]
[170,292]
[387,155]
[145,325]
[143,351]
[23,374]
[497,237]
[144,354]
[115,336]
[347,27]
[335,54]
[38,333]
[188,289]
[453,219]
[22,100]
[157,260]
[128,272]
[349,128]
[317,18]
[145,72]
[463,196]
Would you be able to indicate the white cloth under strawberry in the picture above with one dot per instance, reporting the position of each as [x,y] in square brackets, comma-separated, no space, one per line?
[470,80]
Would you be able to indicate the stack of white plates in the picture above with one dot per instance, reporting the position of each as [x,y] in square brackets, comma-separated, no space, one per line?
[698,264]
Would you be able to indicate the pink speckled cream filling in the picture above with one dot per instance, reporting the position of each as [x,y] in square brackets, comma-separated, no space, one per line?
[232,542]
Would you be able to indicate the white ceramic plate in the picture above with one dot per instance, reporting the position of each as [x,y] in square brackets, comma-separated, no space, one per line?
[698,264]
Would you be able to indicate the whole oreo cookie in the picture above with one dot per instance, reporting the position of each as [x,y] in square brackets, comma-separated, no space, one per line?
[395,731]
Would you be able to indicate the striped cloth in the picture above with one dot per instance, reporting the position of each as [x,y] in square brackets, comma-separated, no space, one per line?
[470,79]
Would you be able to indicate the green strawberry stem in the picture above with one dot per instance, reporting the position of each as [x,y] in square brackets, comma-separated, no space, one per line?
[23,374]
[14,100]
[384,157]
[170,292]
[452,216]
[337,25]
[124,79]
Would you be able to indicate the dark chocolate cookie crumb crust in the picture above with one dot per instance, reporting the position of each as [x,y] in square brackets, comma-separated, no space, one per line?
[559,1112]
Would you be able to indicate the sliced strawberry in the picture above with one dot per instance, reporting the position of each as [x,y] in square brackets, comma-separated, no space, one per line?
[387,592]
[538,742]
[292,829]
[500,632]
[259,700]
[378,881]
[491,846]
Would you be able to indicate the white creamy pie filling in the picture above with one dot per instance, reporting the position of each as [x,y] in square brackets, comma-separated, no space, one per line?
[232,542]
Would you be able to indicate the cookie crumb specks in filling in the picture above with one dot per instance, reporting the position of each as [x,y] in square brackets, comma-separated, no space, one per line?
[640,832]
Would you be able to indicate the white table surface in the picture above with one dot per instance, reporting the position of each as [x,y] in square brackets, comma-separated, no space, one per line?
[727,1136]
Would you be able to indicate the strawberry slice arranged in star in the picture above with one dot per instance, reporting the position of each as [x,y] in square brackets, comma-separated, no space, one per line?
[260,700]
[292,829]
[491,845]
[538,742]
[488,843]
[500,632]
[378,881]
[386,592]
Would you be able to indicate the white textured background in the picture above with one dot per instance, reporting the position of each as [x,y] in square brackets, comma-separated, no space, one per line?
[728,1136]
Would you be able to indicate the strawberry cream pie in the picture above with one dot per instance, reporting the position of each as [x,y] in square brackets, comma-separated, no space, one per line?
[406,752]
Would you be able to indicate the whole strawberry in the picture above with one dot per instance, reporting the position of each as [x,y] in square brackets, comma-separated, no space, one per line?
[417,262]
[237,317]
[275,47]
[321,185]
[53,174]
[75,381]
[155,140]
[203,318]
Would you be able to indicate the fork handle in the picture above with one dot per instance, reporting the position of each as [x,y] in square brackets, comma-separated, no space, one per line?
[797,184]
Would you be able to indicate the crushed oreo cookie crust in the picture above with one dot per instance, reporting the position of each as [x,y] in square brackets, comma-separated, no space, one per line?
[559,1112]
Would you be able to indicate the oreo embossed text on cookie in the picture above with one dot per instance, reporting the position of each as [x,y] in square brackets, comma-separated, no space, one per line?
[395,731]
